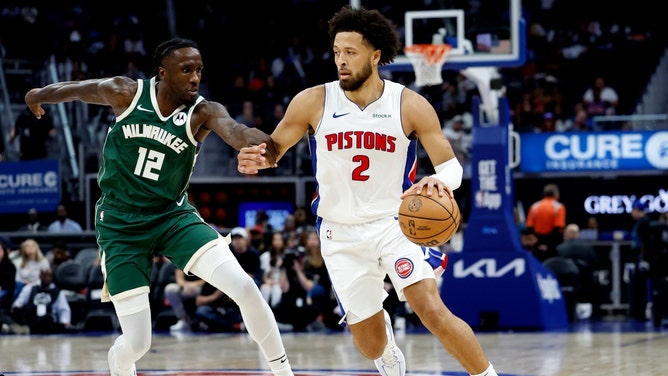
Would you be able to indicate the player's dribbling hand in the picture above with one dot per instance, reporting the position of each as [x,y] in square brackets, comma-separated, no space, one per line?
[431,184]
[251,159]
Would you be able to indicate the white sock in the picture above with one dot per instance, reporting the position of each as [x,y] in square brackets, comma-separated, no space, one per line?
[488,372]
[281,366]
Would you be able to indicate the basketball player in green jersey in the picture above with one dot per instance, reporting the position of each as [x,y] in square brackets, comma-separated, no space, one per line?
[148,158]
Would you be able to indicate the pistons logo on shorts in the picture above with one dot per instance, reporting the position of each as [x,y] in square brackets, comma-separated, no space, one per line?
[403,267]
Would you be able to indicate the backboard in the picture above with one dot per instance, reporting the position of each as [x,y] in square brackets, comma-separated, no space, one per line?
[488,33]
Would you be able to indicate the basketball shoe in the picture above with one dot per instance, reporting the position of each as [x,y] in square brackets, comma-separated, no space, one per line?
[392,362]
[437,259]
[111,358]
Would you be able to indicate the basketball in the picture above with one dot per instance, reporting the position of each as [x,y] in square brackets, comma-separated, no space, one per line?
[429,221]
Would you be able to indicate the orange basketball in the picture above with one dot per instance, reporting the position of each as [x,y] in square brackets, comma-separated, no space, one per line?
[429,221]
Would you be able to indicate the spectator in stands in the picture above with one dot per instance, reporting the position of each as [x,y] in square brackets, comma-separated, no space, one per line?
[247,114]
[42,306]
[584,256]
[547,218]
[277,113]
[640,244]
[30,263]
[525,118]
[315,279]
[301,218]
[248,256]
[290,231]
[257,238]
[529,240]
[276,248]
[460,138]
[33,224]
[7,286]
[63,224]
[451,100]
[58,254]
[549,123]
[262,232]
[237,94]
[7,277]
[275,282]
[581,121]
[180,294]
[600,99]
[216,312]
[294,309]
[34,135]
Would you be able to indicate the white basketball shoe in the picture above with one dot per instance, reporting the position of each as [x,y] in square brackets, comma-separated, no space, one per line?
[392,362]
[111,358]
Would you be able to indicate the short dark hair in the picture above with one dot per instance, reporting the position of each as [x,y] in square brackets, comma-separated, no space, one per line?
[375,28]
[167,47]
[550,190]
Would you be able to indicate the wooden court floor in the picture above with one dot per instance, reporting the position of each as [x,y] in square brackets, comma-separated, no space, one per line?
[606,348]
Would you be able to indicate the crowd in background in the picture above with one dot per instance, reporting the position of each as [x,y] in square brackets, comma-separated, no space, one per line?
[563,85]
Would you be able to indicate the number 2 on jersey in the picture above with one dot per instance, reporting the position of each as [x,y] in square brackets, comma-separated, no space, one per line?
[358,172]
[149,163]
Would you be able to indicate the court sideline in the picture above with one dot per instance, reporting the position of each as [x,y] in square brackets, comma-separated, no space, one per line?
[610,348]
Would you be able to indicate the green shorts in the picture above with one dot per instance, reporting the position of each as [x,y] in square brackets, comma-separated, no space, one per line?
[129,237]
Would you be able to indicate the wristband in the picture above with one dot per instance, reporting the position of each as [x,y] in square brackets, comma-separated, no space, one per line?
[450,172]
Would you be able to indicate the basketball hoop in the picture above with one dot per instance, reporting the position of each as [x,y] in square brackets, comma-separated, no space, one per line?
[427,60]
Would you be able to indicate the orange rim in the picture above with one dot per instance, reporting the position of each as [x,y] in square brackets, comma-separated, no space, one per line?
[433,53]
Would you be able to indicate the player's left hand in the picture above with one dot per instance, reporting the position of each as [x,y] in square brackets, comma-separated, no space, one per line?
[251,159]
[431,184]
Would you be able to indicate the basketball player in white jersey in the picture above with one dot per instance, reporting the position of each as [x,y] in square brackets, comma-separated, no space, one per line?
[363,133]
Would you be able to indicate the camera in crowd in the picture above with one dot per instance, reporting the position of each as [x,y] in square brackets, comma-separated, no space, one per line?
[293,254]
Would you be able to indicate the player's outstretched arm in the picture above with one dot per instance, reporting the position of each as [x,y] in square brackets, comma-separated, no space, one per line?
[304,110]
[116,92]
[215,117]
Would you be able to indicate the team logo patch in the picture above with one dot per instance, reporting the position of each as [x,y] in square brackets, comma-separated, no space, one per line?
[328,234]
[180,118]
[403,267]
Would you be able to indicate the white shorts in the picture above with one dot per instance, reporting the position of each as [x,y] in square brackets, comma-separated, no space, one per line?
[359,256]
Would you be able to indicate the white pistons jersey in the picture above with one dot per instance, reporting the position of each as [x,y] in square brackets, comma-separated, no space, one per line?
[364,159]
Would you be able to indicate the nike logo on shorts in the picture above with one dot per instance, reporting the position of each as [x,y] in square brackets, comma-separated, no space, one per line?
[140,108]
[335,115]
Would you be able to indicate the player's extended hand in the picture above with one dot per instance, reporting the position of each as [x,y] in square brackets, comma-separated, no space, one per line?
[35,108]
[431,184]
[251,159]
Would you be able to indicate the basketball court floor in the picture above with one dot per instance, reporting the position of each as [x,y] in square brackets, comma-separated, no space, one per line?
[610,348]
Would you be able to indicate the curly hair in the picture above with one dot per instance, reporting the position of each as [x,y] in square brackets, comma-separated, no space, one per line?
[375,28]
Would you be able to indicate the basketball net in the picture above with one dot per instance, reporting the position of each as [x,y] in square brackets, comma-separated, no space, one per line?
[427,60]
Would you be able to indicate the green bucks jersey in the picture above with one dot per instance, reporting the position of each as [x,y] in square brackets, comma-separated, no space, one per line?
[148,158]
